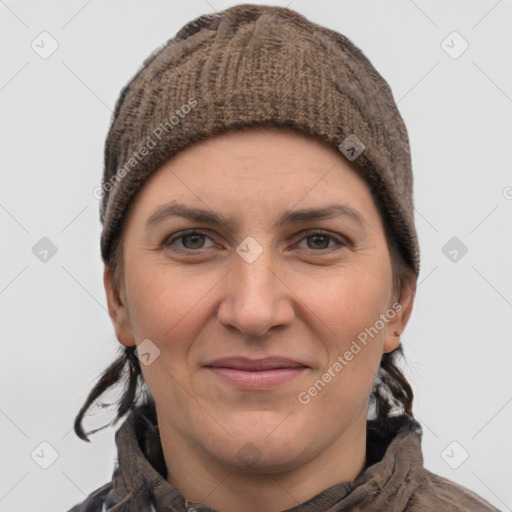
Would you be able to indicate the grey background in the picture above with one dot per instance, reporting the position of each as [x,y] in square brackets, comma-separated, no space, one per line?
[56,334]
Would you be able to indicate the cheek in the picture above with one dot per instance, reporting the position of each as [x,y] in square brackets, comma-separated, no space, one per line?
[347,303]
[168,306]
[170,310]
[351,308]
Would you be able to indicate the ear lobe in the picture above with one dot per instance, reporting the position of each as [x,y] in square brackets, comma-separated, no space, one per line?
[392,341]
[396,326]
[117,311]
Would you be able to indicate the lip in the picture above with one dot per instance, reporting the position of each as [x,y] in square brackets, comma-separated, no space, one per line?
[252,374]
[248,364]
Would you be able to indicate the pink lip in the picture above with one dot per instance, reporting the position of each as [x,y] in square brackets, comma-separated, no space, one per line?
[245,373]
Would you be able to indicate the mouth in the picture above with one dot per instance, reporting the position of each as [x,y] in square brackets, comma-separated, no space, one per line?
[252,374]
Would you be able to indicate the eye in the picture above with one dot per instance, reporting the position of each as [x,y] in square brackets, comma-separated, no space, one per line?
[191,240]
[194,240]
[320,240]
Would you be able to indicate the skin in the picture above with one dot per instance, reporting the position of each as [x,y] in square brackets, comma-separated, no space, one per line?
[303,297]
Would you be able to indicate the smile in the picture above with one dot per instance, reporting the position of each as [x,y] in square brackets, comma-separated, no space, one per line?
[257,379]
[253,374]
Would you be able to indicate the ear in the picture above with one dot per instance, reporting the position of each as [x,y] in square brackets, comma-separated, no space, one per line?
[118,311]
[403,310]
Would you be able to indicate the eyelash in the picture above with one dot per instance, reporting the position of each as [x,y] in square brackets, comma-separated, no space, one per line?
[308,233]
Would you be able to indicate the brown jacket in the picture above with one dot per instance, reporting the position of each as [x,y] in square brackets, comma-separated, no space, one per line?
[394,479]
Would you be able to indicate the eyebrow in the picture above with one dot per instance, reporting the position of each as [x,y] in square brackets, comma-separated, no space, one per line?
[287,217]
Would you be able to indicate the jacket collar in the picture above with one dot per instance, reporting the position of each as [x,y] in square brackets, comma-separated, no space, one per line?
[394,470]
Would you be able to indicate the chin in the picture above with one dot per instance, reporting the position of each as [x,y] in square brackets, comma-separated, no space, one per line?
[265,447]
[269,458]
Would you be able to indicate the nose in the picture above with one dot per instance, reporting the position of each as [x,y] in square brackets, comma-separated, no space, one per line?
[255,296]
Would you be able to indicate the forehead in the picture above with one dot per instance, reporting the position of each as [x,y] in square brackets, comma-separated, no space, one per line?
[261,171]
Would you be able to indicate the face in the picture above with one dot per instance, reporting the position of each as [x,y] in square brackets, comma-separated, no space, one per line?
[266,329]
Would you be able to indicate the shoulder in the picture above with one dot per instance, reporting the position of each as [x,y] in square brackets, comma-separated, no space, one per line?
[436,493]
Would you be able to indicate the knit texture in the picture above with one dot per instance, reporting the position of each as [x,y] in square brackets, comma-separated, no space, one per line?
[259,65]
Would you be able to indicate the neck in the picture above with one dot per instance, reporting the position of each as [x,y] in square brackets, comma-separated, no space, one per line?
[201,478]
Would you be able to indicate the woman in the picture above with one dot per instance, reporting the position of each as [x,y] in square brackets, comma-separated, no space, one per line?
[261,261]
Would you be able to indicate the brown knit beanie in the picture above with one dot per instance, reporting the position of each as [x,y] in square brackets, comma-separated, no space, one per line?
[248,65]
